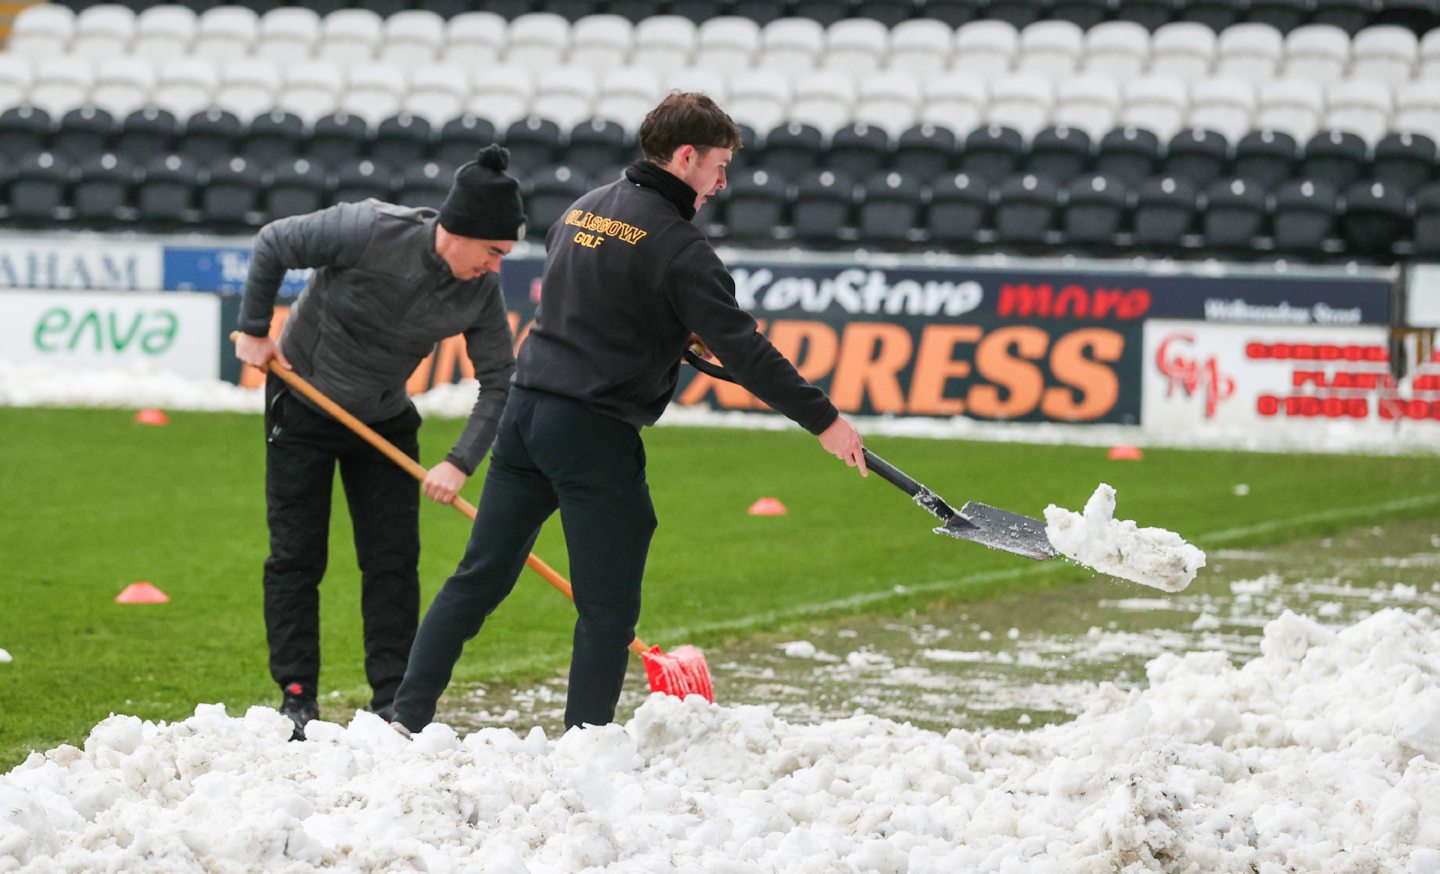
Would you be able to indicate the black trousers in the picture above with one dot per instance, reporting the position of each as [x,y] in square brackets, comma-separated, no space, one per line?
[303,447]
[551,452]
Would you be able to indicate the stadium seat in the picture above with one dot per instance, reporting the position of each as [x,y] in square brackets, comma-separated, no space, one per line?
[1226,106]
[38,185]
[1026,208]
[1016,13]
[1165,210]
[792,149]
[165,192]
[1386,53]
[1128,155]
[1417,109]
[823,99]
[1406,161]
[1428,63]
[1116,49]
[1283,15]
[355,181]
[1348,15]
[1087,102]
[821,207]
[728,43]
[402,140]
[856,46]
[534,142]
[1183,50]
[664,42]
[754,205]
[1335,158]
[758,99]
[576,10]
[373,91]
[273,138]
[888,12]
[1082,13]
[145,133]
[225,33]
[426,184]
[954,100]
[311,90]
[1022,102]
[1095,211]
[1149,14]
[959,210]
[888,100]
[551,192]
[1216,15]
[992,153]
[693,11]
[598,149]
[985,48]
[600,42]
[920,47]
[248,87]
[184,86]
[102,189]
[1418,16]
[102,32]
[42,31]
[953,13]
[24,130]
[858,151]
[1265,158]
[209,136]
[15,79]
[1249,51]
[502,95]
[1359,106]
[412,38]
[1374,219]
[461,138]
[350,37]
[1059,154]
[474,40]
[82,133]
[1051,48]
[1427,222]
[925,151]
[122,85]
[537,41]
[890,208]
[288,35]
[1290,105]
[230,194]
[436,93]
[1155,103]
[337,138]
[791,46]
[61,84]
[1304,217]
[1234,214]
[296,187]
[1198,156]
[627,95]
[1316,52]
[762,12]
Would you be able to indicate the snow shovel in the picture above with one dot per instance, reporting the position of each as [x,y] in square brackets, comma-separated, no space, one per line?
[980,523]
[680,672]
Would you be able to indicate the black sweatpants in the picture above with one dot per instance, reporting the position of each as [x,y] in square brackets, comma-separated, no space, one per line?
[302,448]
[550,452]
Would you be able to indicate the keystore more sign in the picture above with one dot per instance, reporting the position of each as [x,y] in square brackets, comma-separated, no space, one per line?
[98,331]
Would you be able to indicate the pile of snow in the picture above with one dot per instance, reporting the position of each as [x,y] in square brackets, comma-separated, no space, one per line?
[1150,556]
[1322,754]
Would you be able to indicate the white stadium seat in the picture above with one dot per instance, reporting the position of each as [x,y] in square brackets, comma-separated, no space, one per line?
[1429,58]
[1021,102]
[955,101]
[225,33]
[1182,49]
[15,79]
[1088,103]
[664,42]
[61,84]
[42,31]
[1360,106]
[626,95]
[986,47]
[1294,106]
[791,45]
[123,85]
[350,37]
[1249,51]
[311,89]
[184,86]
[890,101]
[412,37]
[823,100]
[705,81]
[164,32]
[1052,48]
[374,91]
[758,99]
[1158,104]
[437,92]
[103,32]
[921,46]
[565,95]
[728,44]
[502,95]
[1417,109]
[856,46]
[288,35]
[1226,106]
[1319,52]
[248,87]
[1119,49]
[474,40]
[1385,52]
[601,42]
[537,41]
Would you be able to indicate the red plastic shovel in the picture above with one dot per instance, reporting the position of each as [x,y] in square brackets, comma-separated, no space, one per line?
[680,672]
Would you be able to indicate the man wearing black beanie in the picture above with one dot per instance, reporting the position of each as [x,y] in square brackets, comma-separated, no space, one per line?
[389,283]
[629,282]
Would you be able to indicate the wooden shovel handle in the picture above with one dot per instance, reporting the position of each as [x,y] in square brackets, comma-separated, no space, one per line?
[414,468]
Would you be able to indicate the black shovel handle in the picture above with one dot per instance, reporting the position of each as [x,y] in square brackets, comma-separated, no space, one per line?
[892,474]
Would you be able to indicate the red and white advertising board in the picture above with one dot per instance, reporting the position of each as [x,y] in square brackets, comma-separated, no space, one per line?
[1301,380]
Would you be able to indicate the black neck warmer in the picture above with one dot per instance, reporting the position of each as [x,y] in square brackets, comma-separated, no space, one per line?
[652,176]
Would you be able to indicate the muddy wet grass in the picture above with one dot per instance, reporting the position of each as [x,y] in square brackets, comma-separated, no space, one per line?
[93,502]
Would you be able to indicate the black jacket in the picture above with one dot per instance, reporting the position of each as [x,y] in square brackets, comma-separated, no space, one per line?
[627,279]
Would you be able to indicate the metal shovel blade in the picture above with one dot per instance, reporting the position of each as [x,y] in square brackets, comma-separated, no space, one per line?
[1000,529]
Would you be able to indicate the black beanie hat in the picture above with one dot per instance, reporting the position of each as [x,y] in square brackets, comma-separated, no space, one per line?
[484,203]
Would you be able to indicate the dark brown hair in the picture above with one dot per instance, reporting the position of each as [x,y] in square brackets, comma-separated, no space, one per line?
[686,118]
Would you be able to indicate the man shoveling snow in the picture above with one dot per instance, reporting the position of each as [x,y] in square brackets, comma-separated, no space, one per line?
[1150,556]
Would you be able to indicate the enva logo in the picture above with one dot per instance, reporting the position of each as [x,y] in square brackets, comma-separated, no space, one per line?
[1184,369]
[67,329]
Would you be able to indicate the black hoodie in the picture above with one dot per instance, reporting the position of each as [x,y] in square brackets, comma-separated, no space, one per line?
[627,279]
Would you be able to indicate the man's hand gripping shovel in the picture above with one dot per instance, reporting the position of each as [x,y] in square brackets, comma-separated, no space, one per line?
[680,672]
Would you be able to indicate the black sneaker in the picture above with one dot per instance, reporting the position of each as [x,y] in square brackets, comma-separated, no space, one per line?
[300,706]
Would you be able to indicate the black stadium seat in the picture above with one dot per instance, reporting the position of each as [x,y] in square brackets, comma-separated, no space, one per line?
[859,150]
[1095,210]
[953,12]
[992,153]
[166,190]
[925,151]
[534,142]
[461,138]
[425,184]
[598,148]
[827,12]
[83,132]
[1283,15]
[1417,15]
[1234,216]
[1304,217]
[1375,218]
[1165,209]
[230,194]
[295,187]
[891,208]
[792,148]
[23,130]
[210,135]
[1406,160]
[102,189]
[1026,208]
[401,141]
[887,12]
[821,208]
[754,205]
[1427,221]
[959,210]
[1149,14]
[1017,12]
[39,183]
[145,133]
[1083,13]
[338,138]
[274,138]
[1337,158]
[357,180]
[1350,16]
[1197,155]
[1214,14]
[551,192]
[1059,153]
[1266,158]
[1129,154]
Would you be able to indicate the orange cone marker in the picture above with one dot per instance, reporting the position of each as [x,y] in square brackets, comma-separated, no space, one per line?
[141,593]
[768,507]
[1126,453]
[152,416]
